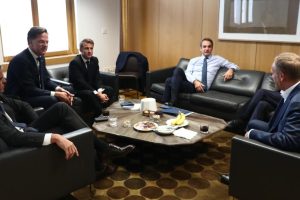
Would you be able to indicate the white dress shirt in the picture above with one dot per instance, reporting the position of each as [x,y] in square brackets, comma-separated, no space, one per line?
[214,63]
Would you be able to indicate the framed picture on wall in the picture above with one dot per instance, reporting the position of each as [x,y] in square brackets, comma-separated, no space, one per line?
[260,20]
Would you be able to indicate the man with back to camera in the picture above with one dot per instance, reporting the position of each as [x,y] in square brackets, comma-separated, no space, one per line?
[85,77]
[193,79]
[28,78]
[283,130]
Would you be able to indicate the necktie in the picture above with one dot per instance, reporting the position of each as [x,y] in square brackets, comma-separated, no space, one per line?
[87,64]
[204,73]
[41,60]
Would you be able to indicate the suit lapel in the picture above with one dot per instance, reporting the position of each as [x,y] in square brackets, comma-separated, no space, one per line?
[34,68]
[279,115]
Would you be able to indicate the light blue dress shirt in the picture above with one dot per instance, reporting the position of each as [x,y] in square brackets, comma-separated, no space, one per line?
[214,63]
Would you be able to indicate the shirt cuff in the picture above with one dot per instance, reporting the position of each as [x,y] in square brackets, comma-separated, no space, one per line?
[95,92]
[100,89]
[247,135]
[47,139]
[52,93]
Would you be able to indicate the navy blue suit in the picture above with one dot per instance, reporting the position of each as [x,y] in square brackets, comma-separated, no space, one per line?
[87,79]
[23,81]
[283,131]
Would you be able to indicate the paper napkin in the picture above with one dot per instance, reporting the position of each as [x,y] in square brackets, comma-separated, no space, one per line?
[185,133]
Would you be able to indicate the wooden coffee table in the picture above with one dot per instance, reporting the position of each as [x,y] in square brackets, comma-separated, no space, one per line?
[195,120]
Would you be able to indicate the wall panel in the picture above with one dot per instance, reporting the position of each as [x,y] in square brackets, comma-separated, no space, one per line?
[165,30]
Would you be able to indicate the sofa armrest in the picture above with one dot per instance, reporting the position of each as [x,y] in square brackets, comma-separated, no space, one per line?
[60,82]
[259,171]
[157,76]
[44,173]
[111,80]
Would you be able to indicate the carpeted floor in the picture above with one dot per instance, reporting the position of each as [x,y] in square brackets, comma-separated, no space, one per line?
[167,173]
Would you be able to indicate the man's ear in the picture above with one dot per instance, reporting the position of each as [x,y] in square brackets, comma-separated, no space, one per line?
[282,76]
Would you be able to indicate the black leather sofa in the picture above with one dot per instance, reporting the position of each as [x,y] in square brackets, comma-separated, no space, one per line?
[223,100]
[259,171]
[61,76]
[44,173]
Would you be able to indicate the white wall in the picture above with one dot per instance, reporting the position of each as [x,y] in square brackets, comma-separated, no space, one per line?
[100,21]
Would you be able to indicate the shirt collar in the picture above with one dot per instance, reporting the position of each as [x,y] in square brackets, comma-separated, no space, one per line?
[286,93]
[84,60]
[208,57]
[34,55]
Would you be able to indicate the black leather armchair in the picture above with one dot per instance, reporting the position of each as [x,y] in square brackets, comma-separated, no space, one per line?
[44,173]
[260,172]
[61,76]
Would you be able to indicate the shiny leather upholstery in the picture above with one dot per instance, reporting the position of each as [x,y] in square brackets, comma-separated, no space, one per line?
[222,100]
[44,173]
[61,76]
[260,172]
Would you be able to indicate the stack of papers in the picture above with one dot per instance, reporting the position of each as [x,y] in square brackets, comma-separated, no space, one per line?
[174,110]
[185,133]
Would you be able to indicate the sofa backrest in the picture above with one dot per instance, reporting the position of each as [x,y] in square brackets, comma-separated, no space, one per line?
[244,82]
[183,63]
[268,83]
[60,73]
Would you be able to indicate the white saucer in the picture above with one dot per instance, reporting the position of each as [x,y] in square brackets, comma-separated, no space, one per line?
[165,130]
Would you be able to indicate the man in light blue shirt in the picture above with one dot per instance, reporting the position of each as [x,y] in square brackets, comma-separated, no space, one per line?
[193,79]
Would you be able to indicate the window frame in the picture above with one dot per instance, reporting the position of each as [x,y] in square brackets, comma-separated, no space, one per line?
[57,57]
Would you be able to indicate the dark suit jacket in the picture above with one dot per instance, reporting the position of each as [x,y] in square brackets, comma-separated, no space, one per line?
[284,129]
[122,59]
[83,79]
[23,77]
[9,133]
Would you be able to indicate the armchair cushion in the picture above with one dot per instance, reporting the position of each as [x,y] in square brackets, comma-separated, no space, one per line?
[259,171]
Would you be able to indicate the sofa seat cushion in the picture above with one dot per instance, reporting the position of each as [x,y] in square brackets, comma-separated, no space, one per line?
[219,100]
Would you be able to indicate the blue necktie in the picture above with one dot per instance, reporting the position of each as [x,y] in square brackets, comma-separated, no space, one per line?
[41,60]
[204,73]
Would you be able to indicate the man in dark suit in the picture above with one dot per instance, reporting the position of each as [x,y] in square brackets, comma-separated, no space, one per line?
[28,78]
[283,130]
[85,77]
[20,126]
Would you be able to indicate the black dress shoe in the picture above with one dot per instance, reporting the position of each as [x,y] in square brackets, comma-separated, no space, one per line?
[117,151]
[224,179]
[236,126]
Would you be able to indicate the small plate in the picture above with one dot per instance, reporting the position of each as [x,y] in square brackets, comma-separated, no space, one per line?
[185,123]
[145,126]
[164,130]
